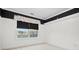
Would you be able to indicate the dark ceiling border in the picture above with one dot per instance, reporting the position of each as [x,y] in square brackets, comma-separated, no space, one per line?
[67,13]
[23,15]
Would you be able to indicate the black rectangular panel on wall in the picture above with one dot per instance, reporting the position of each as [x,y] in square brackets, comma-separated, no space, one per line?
[22,25]
[7,14]
[25,25]
[34,26]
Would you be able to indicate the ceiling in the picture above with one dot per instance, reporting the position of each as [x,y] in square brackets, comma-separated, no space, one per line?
[41,13]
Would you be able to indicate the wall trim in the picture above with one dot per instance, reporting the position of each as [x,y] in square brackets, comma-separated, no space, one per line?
[60,48]
[64,14]
[67,13]
[30,45]
[15,13]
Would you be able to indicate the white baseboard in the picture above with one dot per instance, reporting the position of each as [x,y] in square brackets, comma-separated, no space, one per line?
[25,46]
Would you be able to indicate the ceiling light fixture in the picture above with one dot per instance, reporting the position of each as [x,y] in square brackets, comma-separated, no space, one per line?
[32,13]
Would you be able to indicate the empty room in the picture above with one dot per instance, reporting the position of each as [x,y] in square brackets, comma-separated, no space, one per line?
[39,28]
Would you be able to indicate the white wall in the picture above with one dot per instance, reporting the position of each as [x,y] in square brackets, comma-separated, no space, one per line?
[0,34]
[63,32]
[8,33]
